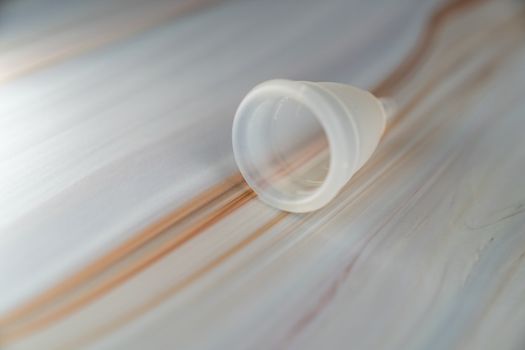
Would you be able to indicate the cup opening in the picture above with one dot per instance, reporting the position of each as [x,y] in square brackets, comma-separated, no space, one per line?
[286,152]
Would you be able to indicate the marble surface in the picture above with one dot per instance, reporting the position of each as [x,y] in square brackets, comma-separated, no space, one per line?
[124,223]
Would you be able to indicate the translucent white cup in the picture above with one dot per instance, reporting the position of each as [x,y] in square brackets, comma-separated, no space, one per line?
[297,143]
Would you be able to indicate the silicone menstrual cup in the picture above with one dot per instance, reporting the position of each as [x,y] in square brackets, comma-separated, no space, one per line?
[297,143]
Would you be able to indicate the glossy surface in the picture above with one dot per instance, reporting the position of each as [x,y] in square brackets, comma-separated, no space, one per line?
[124,224]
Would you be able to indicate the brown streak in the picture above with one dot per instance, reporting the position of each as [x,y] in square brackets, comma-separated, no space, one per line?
[129,246]
[117,35]
[184,283]
[67,309]
[408,66]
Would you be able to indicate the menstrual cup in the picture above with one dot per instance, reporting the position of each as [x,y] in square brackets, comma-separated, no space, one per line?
[297,143]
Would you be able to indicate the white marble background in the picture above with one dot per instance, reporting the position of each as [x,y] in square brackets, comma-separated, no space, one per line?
[109,122]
